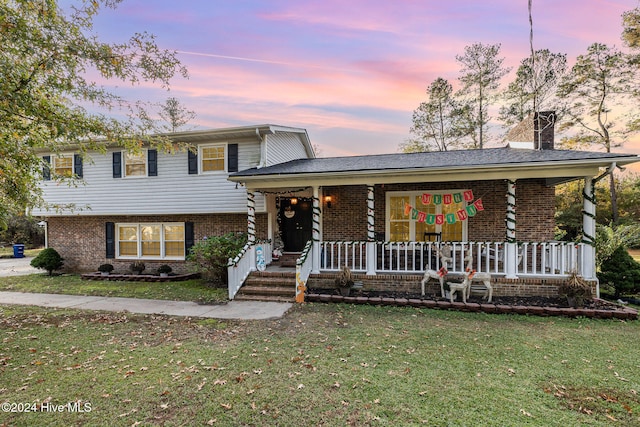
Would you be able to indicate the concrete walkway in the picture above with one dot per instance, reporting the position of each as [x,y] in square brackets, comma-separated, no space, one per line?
[242,310]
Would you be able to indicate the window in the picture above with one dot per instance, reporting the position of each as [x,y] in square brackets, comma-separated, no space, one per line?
[151,241]
[402,228]
[63,165]
[135,164]
[212,158]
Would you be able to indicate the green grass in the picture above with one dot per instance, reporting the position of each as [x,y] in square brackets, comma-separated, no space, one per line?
[320,365]
[188,290]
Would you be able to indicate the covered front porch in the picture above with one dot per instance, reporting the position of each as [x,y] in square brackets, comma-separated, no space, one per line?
[517,267]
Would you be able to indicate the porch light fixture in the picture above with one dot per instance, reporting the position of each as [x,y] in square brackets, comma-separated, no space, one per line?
[328,200]
[294,200]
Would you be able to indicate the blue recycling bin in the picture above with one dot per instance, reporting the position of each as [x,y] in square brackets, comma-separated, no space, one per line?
[18,251]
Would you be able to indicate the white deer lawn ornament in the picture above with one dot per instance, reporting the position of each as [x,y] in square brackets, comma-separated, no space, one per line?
[445,257]
[470,276]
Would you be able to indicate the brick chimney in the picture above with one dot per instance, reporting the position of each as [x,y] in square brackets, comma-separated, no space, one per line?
[543,130]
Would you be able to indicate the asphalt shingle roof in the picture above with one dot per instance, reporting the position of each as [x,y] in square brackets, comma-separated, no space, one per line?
[431,160]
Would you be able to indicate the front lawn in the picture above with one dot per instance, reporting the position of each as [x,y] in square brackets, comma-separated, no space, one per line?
[322,364]
[189,290]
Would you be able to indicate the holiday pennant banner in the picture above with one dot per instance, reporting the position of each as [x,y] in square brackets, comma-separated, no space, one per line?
[450,218]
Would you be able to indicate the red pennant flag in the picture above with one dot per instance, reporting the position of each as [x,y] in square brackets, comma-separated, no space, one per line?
[422,216]
[426,199]
[440,219]
[468,195]
[462,215]
[407,208]
[447,199]
[478,205]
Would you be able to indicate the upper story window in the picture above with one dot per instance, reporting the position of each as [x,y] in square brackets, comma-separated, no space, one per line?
[212,158]
[62,165]
[65,165]
[135,165]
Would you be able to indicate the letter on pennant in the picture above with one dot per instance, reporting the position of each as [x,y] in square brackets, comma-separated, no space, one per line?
[431,219]
[468,195]
[471,210]
[462,215]
[407,209]
[437,199]
[457,197]
[451,218]
[414,213]
[447,199]
[426,199]
[422,216]
[439,219]
[478,205]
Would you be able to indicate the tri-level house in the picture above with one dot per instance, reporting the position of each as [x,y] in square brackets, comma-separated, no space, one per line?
[384,216]
[153,206]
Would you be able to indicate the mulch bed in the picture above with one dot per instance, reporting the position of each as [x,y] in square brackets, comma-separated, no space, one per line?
[540,306]
[140,277]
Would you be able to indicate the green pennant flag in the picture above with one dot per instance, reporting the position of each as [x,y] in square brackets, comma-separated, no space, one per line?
[451,218]
[414,213]
[431,219]
[471,210]
[437,199]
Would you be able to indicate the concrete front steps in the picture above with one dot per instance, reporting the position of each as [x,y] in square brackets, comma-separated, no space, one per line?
[269,286]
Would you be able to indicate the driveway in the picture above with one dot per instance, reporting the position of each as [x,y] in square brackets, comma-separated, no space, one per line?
[17,267]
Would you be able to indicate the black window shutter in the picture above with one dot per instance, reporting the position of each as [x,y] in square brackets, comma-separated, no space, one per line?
[152,160]
[110,233]
[77,165]
[232,158]
[193,163]
[46,169]
[189,237]
[117,164]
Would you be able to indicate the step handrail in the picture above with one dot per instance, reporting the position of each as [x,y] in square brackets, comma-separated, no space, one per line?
[304,265]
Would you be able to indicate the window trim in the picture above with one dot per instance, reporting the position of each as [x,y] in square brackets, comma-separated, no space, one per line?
[411,195]
[139,226]
[144,155]
[224,170]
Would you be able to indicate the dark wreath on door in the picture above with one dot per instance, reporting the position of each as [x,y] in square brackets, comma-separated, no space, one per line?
[295,217]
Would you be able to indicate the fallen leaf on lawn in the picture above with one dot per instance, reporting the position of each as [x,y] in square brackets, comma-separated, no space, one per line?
[511,371]
[219,382]
[422,393]
[226,405]
[211,422]
[251,391]
[523,412]
[300,386]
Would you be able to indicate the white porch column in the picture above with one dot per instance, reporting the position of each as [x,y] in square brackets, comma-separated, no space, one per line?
[588,229]
[251,228]
[371,232]
[511,247]
[315,232]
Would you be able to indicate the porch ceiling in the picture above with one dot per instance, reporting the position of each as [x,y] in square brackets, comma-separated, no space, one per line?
[464,165]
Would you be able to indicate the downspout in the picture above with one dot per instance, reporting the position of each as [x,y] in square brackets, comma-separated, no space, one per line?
[263,149]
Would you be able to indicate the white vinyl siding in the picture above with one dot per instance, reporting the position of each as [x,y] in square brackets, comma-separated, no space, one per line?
[150,241]
[283,147]
[173,191]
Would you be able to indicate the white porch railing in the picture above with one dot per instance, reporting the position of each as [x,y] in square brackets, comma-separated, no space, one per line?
[532,259]
[239,268]
[304,265]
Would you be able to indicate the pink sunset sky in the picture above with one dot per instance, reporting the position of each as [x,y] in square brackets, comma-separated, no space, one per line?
[350,72]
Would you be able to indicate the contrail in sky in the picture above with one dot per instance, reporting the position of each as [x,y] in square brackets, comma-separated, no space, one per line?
[264,61]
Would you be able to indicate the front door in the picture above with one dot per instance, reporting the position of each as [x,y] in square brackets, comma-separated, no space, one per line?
[295,222]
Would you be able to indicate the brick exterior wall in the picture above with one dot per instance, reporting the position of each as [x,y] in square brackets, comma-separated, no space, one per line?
[535,209]
[81,240]
[411,283]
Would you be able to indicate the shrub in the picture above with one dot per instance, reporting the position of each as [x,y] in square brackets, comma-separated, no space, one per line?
[137,267]
[165,269]
[575,289]
[105,268]
[621,271]
[48,259]
[211,256]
